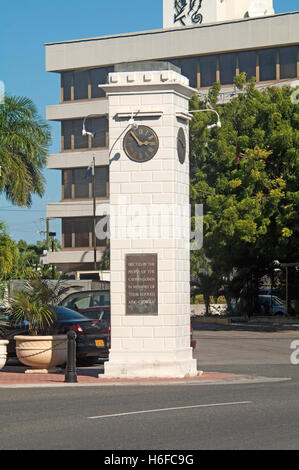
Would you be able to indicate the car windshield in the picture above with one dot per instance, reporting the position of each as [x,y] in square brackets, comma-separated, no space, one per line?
[67,314]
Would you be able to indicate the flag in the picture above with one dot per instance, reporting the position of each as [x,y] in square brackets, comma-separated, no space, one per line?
[90,170]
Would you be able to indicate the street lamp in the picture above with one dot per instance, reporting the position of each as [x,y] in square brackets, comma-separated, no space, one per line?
[132,124]
[53,235]
[209,109]
[92,134]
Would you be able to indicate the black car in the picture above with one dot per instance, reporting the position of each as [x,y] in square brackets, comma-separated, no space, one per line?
[93,336]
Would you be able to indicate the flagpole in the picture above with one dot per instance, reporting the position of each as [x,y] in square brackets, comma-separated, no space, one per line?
[94,215]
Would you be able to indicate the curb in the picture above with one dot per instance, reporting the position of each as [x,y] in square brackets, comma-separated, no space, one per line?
[221,321]
[20,380]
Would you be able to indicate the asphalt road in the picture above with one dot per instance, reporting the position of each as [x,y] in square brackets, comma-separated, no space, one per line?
[184,417]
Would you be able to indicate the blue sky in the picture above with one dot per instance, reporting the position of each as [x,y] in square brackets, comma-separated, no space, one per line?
[25,26]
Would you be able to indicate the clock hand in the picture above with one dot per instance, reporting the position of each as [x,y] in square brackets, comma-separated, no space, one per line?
[136,138]
[182,142]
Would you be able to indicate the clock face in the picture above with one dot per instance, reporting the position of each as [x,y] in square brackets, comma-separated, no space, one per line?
[181,145]
[141,144]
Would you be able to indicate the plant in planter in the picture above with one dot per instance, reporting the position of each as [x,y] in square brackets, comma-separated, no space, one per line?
[3,343]
[32,309]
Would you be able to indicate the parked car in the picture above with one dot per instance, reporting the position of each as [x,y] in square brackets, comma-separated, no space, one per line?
[96,305]
[93,335]
[270,305]
[92,304]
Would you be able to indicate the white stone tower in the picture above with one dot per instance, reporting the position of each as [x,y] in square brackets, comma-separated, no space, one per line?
[149,222]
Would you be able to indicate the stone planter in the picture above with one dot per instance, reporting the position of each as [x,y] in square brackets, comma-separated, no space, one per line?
[42,353]
[3,352]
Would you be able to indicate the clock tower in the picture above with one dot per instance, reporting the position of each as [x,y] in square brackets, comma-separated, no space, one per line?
[149,223]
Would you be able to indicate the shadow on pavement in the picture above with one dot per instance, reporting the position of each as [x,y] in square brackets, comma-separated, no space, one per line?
[265,327]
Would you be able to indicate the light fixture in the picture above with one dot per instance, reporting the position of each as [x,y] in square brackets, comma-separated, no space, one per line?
[211,110]
[84,131]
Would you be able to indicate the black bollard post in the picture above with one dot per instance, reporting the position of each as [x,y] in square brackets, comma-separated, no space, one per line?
[71,372]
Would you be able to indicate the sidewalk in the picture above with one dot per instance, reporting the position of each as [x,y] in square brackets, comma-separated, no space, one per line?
[15,377]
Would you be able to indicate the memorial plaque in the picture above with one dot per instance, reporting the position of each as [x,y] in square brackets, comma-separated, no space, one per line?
[141,284]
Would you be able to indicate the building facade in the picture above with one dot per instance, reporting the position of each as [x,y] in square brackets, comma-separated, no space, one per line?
[265,47]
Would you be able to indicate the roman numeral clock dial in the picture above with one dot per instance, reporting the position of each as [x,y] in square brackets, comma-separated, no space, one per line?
[181,145]
[141,144]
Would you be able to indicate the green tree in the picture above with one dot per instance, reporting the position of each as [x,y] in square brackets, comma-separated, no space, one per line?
[24,140]
[246,176]
[7,253]
[104,264]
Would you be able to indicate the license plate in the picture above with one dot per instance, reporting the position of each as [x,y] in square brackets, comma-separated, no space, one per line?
[99,343]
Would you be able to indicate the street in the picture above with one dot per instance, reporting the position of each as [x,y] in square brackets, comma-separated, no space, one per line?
[257,415]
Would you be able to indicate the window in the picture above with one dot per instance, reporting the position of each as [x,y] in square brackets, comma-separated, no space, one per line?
[82,228]
[208,66]
[78,233]
[81,85]
[267,61]
[189,68]
[72,137]
[78,301]
[80,141]
[101,300]
[227,64]
[81,184]
[99,126]
[105,231]
[288,62]
[98,76]
[247,63]
[77,184]
[67,184]
[66,131]
[102,181]
[67,81]
[67,233]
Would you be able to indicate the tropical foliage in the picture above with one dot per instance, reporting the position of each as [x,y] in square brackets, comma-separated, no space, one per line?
[24,140]
[19,260]
[33,304]
[246,175]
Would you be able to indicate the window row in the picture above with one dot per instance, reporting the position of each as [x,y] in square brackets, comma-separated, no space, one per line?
[203,71]
[72,138]
[78,233]
[83,84]
[76,183]
[265,64]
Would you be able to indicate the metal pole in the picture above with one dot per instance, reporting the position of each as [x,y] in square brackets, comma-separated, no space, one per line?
[71,372]
[287,289]
[53,267]
[94,215]
[47,230]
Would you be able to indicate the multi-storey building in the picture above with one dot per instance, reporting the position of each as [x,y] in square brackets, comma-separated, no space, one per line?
[264,47]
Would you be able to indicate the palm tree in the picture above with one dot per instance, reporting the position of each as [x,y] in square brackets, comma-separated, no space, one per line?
[24,141]
[34,303]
